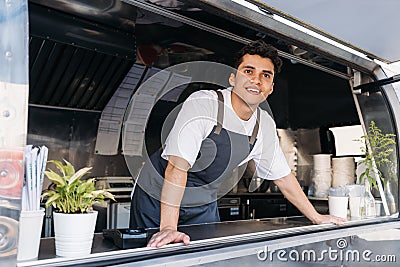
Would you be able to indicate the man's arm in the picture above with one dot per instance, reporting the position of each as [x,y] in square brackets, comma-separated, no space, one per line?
[171,197]
[292,191]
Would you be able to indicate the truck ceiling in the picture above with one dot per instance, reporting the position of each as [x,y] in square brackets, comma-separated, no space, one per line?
[367,25]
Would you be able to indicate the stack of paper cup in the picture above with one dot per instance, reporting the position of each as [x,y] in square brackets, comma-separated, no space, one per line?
[343,171]
[322,177]
[30,228]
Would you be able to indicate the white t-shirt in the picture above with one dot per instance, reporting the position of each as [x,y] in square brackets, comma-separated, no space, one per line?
[196,120]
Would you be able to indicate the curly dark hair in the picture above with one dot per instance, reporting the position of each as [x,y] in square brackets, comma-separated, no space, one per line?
[262,49]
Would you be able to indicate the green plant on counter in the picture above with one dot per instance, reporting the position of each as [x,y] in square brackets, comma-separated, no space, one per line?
[70,194]
[379,150]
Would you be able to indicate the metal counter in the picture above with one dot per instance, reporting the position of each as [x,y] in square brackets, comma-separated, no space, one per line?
[224,240]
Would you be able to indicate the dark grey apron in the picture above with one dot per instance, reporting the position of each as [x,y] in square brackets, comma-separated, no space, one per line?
[219,154]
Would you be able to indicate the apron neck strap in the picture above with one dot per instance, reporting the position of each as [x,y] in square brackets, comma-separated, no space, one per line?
[220,116]
[220,119]
[255,129]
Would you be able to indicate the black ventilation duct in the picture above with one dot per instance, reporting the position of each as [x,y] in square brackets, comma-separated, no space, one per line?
[75,62]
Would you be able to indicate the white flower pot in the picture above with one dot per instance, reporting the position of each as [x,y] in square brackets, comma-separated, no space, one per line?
[74,233]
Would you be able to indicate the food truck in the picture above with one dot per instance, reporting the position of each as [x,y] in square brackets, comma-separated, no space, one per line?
[76,75]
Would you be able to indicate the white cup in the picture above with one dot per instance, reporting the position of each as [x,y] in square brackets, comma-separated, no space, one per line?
[354,203]
[338,206]
[30,229]
[378,207]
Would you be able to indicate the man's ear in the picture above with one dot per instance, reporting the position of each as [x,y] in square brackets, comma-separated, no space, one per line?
[272,89]
[232,80]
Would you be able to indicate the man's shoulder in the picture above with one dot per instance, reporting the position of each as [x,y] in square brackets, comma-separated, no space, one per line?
[267,123]
[203,94]
[265,116]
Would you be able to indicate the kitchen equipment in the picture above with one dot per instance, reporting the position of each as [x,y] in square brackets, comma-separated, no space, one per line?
[120,187]
[127,238]
[256,184]
[274,188]
[114,214]
[252,182]
[120,213]
[229,209]
[267,207]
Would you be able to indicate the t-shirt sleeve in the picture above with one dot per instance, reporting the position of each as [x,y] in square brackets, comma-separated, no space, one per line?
[271,163]
[191,127]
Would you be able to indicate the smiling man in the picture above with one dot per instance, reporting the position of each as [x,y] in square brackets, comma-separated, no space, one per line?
[215,132]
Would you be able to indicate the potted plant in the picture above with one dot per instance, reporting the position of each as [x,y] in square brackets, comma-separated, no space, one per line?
[74,218]
[378,150]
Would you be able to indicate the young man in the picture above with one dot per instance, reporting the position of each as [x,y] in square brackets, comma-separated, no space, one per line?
[214,133]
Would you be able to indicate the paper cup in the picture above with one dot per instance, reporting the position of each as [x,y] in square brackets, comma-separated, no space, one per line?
[355,209]
[30,229]
[378,207]
[322,161]
[338,206]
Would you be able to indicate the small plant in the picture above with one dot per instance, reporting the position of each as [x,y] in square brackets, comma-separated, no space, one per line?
[70,194]
[379,150]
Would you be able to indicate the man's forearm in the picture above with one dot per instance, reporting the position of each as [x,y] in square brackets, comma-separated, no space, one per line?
[293,192]
[171,196]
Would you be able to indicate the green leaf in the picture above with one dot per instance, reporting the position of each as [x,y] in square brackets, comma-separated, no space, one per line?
[59,166]
[79,174]
[71,194]
[378,152]
[55,178]
[52,199]
[69,169]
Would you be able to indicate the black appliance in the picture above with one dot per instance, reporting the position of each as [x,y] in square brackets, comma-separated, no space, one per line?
[267,207]
[230,209]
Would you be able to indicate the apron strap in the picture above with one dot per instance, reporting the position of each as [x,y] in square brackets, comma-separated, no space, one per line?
[220,119]
[220,116]
[255,129]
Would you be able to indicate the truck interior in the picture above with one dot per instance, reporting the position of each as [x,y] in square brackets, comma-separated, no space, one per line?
[81,51]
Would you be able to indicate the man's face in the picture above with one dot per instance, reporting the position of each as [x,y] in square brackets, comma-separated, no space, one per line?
[254,79]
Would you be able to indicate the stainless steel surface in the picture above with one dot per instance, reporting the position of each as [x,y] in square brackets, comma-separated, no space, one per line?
[221,241]
[14,91]
[77,62]
[367,25]
[71,135]
[63,108]
[112,13]
[298,147]
[14,42]
[73,76]
[117,213]
[109,32]
[220,32]
[251,254]
[313,65]
[283,31]
[120,186]
[170,14]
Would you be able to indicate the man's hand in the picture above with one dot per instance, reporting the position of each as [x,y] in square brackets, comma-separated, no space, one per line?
[321,219]
[168,236]
[171,197]
[292,191]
